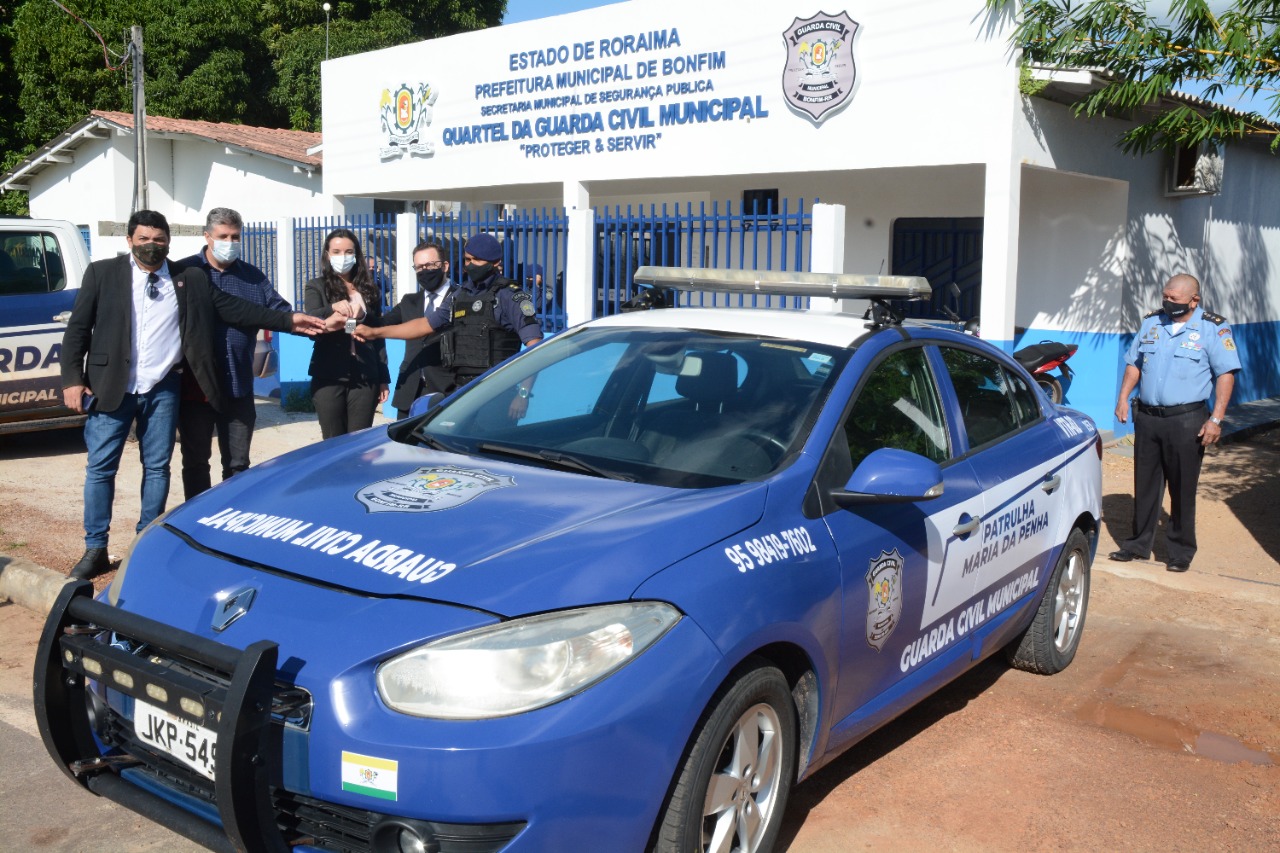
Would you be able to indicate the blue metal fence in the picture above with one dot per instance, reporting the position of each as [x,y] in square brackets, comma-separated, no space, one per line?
[533,251]
[258,247]
[731,237]
[376,235]
[722,235]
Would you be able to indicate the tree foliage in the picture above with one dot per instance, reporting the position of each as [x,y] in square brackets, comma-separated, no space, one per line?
[213,60]
[1150,57]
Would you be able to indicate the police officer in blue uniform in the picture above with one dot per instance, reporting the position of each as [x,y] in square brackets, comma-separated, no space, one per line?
[1180,354]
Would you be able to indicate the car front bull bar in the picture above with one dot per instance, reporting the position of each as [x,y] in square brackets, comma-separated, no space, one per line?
[240,714]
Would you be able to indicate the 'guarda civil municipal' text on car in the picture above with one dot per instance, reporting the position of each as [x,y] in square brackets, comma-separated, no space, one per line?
[621,593]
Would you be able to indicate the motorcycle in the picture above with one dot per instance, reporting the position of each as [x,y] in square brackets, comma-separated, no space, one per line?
[1039,359]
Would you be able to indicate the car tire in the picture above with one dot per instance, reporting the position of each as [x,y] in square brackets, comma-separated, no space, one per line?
[1049,644]
[1051,386]
[737,776]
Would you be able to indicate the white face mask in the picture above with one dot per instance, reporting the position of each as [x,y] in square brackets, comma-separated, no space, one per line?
[342,264]
[226,251]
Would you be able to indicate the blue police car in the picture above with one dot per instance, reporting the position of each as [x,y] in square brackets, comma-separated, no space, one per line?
[621,593]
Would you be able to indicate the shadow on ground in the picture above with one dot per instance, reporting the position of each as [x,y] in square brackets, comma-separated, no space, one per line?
[952,698]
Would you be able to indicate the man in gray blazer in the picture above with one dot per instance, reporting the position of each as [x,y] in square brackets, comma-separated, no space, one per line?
[138,321]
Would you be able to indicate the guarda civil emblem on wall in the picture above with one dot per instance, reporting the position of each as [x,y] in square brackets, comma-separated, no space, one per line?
[406,114]
[819,74]
[884,597]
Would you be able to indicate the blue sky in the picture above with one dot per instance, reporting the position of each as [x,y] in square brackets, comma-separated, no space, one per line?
[527,10]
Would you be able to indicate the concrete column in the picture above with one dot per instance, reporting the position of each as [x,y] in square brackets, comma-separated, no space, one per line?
[295,350]
[1001,226]
[579,267]
[577,196]
[286,262]
[826,249]
[406,238]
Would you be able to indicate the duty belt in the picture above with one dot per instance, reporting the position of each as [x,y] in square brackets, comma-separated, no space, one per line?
[1168,411]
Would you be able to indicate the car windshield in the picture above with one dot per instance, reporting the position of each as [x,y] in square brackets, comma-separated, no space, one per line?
[674,407]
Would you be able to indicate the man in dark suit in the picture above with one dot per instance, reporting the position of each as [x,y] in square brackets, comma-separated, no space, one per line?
[135,320]
[421,371]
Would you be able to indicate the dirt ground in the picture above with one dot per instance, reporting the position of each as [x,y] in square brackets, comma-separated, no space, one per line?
[1163,735]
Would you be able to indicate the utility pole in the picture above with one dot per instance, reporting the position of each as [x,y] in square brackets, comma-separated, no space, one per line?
[141,201]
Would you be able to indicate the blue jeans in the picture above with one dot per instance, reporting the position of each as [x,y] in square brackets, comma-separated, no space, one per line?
[105,433]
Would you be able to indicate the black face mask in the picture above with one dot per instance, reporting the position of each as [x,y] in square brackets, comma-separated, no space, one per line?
[1175,309]
[430,280]
[479,272]
[150,254]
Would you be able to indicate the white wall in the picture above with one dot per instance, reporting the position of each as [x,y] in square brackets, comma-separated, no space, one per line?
[1230,241]
[187,177]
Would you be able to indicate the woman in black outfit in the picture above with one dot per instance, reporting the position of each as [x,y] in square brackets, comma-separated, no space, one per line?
[349,379]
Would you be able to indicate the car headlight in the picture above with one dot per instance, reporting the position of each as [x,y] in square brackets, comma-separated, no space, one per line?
[516,666]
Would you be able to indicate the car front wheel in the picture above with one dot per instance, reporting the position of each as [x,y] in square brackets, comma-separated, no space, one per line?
[734,783]
[1050,643]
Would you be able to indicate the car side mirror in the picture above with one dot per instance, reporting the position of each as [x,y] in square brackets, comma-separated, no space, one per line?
[425,403]
[889,475]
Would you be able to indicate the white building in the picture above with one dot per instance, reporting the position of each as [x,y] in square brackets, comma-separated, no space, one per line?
[909,116]
[86,176]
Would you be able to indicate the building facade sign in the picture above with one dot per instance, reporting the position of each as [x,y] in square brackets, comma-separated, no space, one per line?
[654,88]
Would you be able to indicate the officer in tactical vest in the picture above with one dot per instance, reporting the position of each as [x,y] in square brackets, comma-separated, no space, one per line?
[491,318]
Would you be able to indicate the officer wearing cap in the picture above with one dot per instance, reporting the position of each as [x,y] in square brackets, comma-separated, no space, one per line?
[1180,354]
[492,317]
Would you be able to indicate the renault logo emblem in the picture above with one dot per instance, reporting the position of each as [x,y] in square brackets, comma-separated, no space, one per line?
[230,606]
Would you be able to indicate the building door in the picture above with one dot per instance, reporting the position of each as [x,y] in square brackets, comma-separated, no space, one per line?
[943,250]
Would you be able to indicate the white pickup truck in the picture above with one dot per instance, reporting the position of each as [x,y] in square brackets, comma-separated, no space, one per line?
[42,262]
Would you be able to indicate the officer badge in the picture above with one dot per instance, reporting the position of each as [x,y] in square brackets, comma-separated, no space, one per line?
[818,77]
[406,113]
[430,489]
[884,597]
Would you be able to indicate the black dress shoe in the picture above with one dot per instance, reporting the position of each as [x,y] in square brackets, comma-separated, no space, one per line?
[94,562]
[1123,556]
[1175,566]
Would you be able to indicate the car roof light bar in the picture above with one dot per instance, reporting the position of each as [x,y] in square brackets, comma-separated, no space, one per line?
[771,283]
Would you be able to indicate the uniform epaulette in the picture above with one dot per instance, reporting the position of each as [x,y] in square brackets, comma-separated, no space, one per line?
[1215,319]
[1151,314]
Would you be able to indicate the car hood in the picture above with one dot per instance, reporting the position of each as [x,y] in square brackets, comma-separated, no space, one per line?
[379,517]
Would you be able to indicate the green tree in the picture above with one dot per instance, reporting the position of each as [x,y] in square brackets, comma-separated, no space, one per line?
[12,147]
[296,39]
[1150,57]
[202,59]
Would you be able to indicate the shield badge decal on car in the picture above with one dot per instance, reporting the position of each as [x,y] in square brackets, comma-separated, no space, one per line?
[884,597]
[430,489]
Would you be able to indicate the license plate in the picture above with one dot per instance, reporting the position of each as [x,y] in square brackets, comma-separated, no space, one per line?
[192,744]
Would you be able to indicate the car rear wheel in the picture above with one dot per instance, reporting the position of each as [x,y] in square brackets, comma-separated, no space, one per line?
[1051,386]
[1050,642]
[734,783]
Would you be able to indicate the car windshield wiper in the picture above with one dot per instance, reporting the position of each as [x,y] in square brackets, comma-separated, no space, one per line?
[431,441]
[563,461]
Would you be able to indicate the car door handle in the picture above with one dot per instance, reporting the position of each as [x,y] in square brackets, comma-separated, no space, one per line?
[1050,484]
[964,528]
[64,317]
